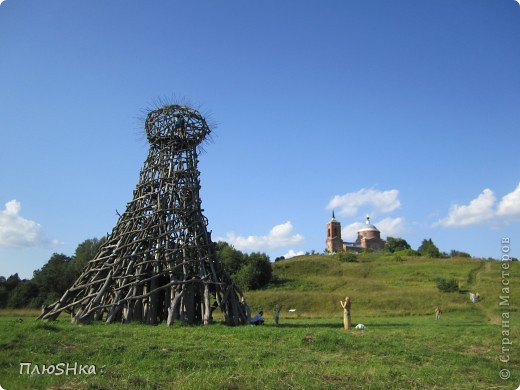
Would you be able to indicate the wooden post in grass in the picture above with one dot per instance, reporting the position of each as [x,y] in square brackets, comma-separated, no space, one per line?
[159,263]
[346,313]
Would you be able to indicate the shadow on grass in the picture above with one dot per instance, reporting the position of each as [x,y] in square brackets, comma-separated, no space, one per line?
[322,325]
[337,325]
[47,326]
[369,325]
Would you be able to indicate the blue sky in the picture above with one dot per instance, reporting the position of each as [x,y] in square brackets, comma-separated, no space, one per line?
[407,111]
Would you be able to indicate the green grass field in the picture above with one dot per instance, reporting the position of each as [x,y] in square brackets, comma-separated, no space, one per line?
[402,347]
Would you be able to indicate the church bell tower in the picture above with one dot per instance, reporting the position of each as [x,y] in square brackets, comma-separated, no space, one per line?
[334,242]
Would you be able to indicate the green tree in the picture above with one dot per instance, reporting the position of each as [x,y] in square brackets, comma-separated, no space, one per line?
[256,273]
[455,253]
[396,244]
[245,277]
[24,295]
[263,267]
[53,279]
[11,282]
[429,249]
[7,286]
[250,272]
[4,294]
[232,259]
[85,252]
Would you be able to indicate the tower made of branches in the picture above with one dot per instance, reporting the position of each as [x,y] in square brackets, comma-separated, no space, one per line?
[159,263]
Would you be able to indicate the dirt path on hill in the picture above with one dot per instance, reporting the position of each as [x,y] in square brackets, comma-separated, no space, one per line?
[492,317]
[487,268]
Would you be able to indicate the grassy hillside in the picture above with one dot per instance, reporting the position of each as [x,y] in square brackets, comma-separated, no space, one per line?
[381,285]
[392,353]
[402,347]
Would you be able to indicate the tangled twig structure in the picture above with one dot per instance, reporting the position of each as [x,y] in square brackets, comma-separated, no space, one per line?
[159,263]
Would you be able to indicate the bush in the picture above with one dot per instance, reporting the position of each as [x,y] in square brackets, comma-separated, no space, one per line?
[455,253]
[406,252]
[347,257]
[397,258]
[396,244]
[447,285]
[429,249]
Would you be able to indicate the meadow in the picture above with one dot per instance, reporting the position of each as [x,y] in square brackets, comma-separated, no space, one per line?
[402,346]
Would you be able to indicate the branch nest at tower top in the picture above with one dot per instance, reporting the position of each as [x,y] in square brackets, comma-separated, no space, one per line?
[180,125]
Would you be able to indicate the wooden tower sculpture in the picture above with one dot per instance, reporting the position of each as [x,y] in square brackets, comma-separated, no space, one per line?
[159,263]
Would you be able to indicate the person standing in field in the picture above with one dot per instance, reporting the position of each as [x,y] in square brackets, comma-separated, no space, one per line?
[277,311]
[438,313]
[346,313]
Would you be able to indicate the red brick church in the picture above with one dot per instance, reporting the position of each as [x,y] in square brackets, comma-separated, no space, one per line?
[368,237]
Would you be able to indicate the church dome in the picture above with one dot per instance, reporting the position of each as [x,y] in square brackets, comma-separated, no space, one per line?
[368,227]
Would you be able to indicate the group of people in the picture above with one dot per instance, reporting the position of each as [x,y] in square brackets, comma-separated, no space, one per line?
[347,324]
[259,318]
[474,297]
[346,305]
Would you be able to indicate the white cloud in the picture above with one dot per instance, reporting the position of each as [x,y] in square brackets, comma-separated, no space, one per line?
[279,236]
[292,253]
[478,211]
[509,207]
[391,227]
[349,232]
[484,209]
[349,203]
[16,231]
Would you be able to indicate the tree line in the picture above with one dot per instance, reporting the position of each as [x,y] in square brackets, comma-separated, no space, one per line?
[399,247]
[426,249]
[48,284]
[249,271]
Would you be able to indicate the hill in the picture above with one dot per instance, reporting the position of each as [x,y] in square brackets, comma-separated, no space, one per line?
[402,347]
[381,285]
